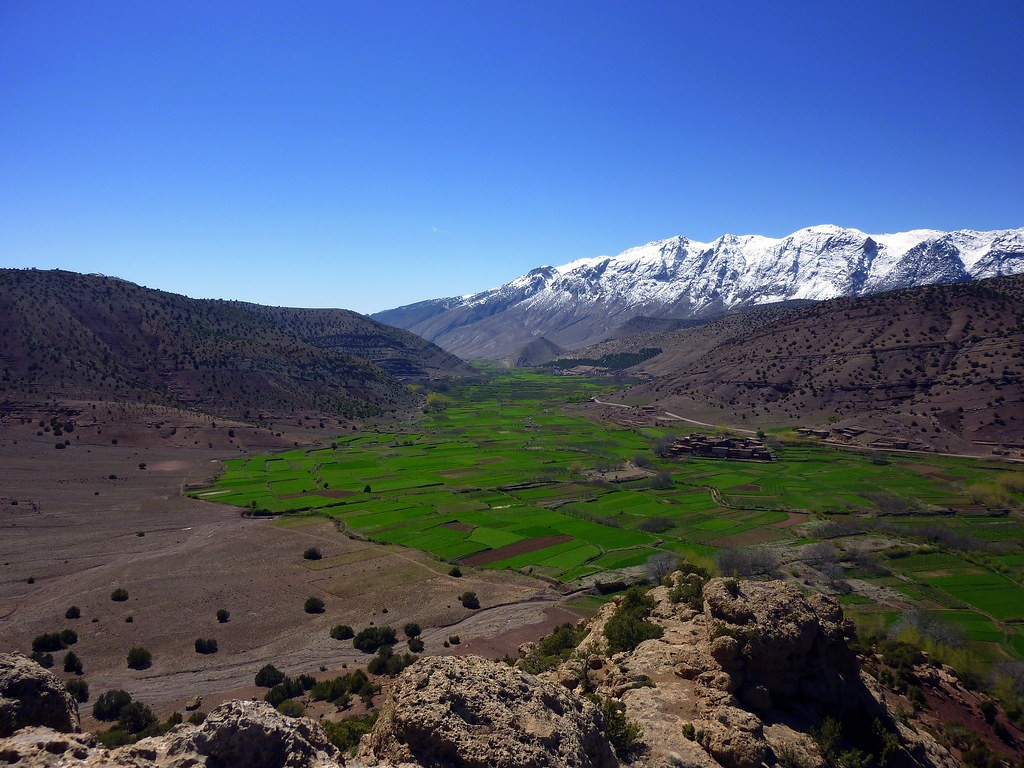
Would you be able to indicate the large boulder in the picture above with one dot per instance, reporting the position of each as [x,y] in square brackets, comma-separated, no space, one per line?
[30,695]
[254,734]
[469,712]
[782,643]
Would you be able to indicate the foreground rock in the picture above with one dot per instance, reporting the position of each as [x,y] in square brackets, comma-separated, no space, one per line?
[31,695]
[238,733]
[468,712]
[742,682]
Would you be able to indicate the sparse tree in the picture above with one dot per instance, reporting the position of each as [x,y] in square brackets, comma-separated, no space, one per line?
[139,658]
[314,605]
[660,566]
[223,616]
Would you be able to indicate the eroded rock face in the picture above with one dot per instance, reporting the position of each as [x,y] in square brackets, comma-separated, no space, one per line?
[254,734]
[31,695]
[470,712]
[239,733]
[783,644]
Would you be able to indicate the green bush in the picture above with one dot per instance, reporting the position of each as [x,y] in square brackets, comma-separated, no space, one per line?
[289,688]
[313,605]
[72,663]
[469,600]
[223,616]
[345,734]
[291,708]
[412,629]
[342,632]
[48,641]
[44,660]
[197,718]
[554,649]
[372,638]
[454,639]
[68,636]
[78,688]
[119,595]
[389,663]
[339,690]
[139,658]
[455,571]
[206,645]
[416,645]
[625,735]
[312,553]
[73,613]
[110,703]
[135,717]
[628,627]
[269,676]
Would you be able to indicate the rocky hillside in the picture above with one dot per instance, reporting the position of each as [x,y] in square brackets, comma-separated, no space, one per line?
[737,675]
[586,300]
[939,367]
[77,337]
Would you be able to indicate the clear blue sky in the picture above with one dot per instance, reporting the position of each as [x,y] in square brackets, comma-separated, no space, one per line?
[372,154]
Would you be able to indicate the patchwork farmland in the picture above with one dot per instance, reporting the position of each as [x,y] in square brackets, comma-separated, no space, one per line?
[498,475]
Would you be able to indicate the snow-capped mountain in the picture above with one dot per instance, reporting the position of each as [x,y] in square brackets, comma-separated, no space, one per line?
[585,300]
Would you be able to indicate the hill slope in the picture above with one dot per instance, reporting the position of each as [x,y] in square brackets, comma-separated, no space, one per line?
[586,300]
[941,366]
[72,336]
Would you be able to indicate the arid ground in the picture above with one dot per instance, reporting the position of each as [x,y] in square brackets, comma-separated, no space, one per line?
[77,523]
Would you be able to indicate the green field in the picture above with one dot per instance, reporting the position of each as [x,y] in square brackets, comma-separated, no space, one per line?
[505,470]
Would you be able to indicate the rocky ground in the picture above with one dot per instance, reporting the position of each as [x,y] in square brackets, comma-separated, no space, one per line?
[750,676]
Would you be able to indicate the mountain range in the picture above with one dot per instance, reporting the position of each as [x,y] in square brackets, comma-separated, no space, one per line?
[70,336]
[585,301]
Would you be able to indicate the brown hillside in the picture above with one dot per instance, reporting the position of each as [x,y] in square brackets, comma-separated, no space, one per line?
[941,367]
[72,336]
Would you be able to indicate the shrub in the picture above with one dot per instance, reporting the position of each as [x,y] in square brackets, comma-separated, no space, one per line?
[289,688]
[73,613]
[389,663]
[223,616]
[412,629]
[624,734]
[469,600]
[269,676]
[455,571]
[312,553]
[553,649]
[628,627]
[78,688]
[119,595]
[454,639]
[345,734]
[372,638]
[136,717]
[342,632]
[340,689]
[110,703]
[44,660]
[68,636]
[416,645]
[661,565]
[291,708]
[207,645]
[72,663]
[197,718]
[313,605]
[139,658]
[48,641]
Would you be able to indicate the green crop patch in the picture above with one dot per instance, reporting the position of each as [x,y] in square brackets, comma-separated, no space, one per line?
[502,464]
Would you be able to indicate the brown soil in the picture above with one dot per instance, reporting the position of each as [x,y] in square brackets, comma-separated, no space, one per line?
[792,518]
[79,534]
[455,525]
[740,488]
[747,538]
[511,550]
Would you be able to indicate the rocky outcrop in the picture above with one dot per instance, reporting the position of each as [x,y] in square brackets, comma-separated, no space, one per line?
[468,712]
[742,682]
[238,733]
[30,695]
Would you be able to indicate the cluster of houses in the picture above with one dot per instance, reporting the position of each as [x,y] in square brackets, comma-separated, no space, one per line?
[698,444]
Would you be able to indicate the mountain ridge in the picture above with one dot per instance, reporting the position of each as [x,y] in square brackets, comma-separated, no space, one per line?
[586,300]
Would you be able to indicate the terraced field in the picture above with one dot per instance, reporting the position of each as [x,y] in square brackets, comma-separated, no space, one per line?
[502,478]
